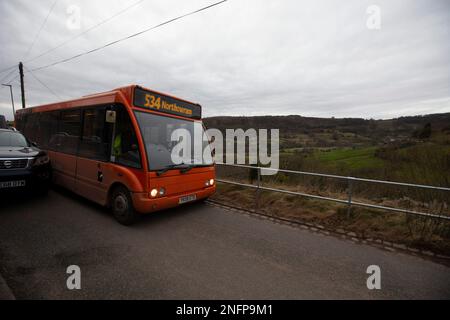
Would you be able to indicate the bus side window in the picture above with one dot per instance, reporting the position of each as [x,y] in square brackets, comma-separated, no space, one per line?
[49,128]
[94,141]
[31,127]
[69,131]
[125,148]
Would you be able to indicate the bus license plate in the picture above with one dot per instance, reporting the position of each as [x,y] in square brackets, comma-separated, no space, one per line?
[187,198]
[12,184]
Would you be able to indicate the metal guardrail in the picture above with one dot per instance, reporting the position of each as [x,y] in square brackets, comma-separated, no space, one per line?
[349,202]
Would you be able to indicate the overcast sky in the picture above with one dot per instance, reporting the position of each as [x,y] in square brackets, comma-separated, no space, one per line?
[244,57]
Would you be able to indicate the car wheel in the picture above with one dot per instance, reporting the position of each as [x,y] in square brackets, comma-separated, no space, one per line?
[122,206]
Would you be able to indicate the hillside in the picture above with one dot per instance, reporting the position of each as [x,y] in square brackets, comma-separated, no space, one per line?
[297,131]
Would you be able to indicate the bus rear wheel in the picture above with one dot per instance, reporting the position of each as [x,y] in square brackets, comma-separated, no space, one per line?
[122,206]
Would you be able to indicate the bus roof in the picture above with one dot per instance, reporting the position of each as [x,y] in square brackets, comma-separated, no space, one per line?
[112,96]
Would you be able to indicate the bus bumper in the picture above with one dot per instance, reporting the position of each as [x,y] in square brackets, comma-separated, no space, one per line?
[143,204]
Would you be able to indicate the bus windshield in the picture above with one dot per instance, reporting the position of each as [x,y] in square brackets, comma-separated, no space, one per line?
[160,140]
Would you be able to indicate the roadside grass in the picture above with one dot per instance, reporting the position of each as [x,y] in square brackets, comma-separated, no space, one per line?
[425,163]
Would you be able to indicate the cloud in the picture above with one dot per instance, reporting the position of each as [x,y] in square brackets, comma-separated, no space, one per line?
[314,58]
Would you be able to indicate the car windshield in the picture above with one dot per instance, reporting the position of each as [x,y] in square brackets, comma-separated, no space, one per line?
[164,143]
[12,139]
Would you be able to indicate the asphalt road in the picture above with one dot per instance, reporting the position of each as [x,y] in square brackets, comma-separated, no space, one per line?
[198,251]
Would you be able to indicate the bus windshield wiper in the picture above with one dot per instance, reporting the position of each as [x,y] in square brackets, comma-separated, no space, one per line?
[172,166]
[184,170]
[198,165]
[185,167]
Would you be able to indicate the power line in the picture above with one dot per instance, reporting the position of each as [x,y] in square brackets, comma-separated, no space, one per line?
[86,31]
[14,78]
[7,69]
[42,83]
[128,37]
[5,77]
[40,29]
[78,35]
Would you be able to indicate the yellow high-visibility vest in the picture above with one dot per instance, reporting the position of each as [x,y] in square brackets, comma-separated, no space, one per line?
[117,146]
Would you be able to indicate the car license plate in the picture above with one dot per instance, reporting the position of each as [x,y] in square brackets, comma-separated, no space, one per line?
[12,184]
[187,198]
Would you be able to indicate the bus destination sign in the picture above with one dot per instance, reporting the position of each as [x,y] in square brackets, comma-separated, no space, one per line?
[154,101]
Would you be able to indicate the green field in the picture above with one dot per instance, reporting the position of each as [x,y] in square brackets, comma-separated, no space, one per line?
[352,159]
[422,163]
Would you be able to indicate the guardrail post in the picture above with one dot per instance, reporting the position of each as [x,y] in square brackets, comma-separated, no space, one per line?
[349,195]
[257,188]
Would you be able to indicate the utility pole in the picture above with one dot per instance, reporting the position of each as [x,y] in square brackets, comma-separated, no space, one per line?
[12,97]
[22,87]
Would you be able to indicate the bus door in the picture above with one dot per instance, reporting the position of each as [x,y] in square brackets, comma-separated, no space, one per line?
[92,170]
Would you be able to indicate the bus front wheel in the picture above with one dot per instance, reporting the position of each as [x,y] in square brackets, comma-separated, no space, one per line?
[122,206]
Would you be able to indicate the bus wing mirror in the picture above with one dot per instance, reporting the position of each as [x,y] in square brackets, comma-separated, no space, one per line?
[110,116]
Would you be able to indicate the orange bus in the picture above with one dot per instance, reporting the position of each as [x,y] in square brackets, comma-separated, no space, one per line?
[114,148]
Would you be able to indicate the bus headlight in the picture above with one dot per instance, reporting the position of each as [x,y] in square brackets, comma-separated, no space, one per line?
[211,182]
[153,193]
[162,191]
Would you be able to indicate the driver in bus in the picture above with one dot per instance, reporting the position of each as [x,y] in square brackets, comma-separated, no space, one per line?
[125,148]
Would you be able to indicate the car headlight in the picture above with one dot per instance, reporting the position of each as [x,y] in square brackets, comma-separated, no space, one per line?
[39,161]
